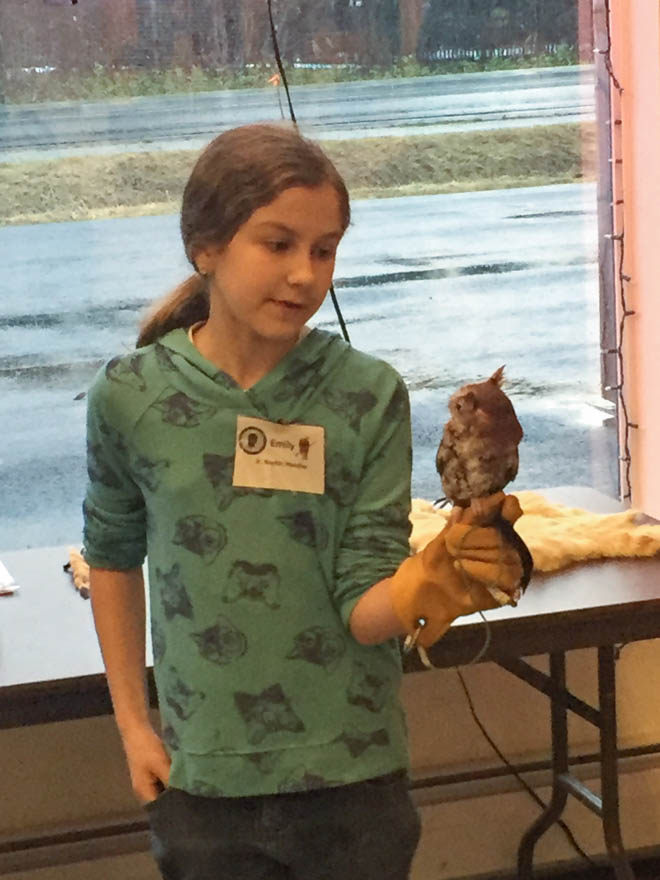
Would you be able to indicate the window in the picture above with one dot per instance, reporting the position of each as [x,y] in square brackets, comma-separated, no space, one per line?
[466,132]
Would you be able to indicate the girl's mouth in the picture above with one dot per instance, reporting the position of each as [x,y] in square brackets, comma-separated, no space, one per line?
[287,304]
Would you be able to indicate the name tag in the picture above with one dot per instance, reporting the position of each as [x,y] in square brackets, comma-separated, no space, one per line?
[274,456]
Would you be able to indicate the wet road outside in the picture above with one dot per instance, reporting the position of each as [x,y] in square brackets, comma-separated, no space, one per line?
[419,105]
[446,288]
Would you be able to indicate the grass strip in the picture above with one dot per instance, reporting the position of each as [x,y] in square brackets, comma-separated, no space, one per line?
[132,184]
[102,82]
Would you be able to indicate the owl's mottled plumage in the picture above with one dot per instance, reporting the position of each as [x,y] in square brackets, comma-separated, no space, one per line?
[478,456]
[478,453]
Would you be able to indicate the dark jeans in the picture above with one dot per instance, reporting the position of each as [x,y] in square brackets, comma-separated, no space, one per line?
[365,831]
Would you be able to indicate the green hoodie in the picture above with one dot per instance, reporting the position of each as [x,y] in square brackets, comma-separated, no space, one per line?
[262,689]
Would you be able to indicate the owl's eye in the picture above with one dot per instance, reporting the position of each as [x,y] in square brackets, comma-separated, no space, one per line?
[458,406]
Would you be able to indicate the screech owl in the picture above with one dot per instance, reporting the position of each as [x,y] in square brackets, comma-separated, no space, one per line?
[478,453]
[478,456]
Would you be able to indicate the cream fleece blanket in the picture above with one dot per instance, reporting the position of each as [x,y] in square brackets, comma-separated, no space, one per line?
[555,534]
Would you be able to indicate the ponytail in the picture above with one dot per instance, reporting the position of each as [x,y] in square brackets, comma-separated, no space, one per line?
[186,305]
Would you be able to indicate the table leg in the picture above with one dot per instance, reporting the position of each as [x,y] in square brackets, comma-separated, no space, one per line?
[608,767]
[559,766]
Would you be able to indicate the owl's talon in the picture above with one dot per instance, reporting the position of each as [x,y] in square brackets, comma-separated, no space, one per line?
[479,506]
[486,508]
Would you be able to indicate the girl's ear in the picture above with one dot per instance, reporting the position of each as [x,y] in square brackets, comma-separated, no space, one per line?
[204,260]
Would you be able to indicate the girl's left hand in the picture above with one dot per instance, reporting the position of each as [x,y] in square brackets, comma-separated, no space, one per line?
[482,551]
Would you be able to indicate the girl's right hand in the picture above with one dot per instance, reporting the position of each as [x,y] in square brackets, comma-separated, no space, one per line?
[148,762]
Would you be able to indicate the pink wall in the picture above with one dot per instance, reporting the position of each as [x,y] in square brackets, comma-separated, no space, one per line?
[636,61]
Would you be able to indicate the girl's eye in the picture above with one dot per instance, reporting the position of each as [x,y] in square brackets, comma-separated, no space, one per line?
[325,253]
[277,245]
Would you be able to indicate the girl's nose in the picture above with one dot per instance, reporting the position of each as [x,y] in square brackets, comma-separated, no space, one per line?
[301,269]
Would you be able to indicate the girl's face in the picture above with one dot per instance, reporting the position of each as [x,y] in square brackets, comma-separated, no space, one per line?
[275,272]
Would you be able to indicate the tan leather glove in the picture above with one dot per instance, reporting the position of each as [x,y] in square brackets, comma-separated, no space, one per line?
[484,553]
[452,575]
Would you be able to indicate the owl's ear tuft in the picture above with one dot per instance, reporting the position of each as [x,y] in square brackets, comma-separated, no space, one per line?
[498,376]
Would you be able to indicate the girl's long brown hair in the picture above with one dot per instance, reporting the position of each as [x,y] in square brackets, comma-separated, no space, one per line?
[239,171]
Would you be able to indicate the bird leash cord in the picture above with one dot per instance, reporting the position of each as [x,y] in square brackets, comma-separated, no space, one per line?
[285,83]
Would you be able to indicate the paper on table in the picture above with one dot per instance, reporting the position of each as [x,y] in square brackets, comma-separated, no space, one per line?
[7,583]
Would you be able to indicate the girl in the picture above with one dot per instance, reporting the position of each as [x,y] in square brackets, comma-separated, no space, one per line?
[265,468]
